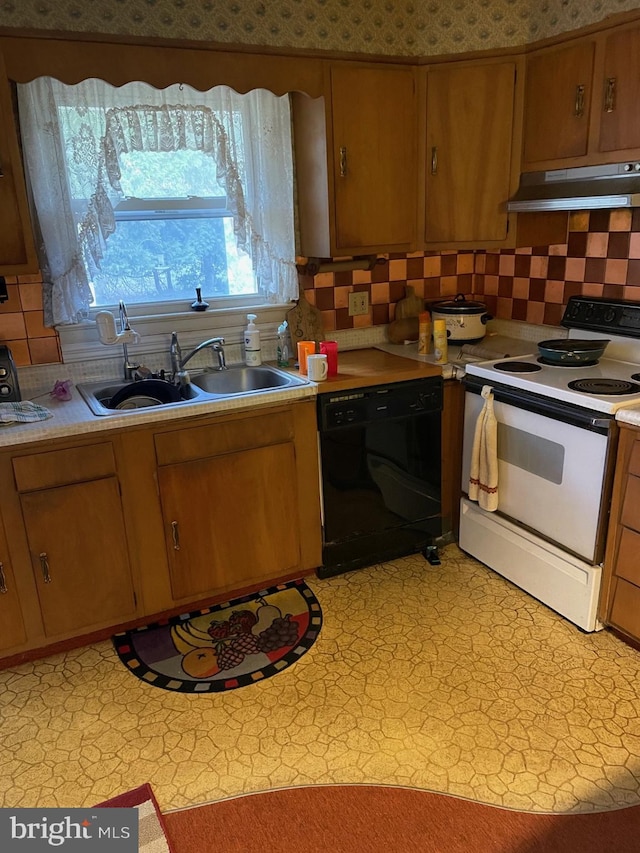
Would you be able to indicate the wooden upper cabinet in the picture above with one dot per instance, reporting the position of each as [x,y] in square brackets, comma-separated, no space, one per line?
[17,252]
[558,97]
[620,106]
[469,132]
[374,128]
[356,161]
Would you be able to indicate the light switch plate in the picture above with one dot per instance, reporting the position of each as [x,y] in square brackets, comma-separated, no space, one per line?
[358,303]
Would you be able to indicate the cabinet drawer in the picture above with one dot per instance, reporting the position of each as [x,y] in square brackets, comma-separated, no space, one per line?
[634,461]
[628,562]
[61,467]
[185,445]
[631,506]
[625,610]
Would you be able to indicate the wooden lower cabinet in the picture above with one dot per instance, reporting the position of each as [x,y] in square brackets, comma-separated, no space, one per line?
[157,518]
[12,631]
[230,520]
[620,600]
[451,455]
[79,556]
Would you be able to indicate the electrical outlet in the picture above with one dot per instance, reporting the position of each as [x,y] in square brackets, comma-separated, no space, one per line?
[358,303]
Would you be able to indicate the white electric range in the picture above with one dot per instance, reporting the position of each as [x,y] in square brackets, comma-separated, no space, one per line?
[557,438]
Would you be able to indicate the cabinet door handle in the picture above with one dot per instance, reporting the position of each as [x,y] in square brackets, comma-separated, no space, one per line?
[176,535]
[610,95]
[343,161]
[434,160]
[44,565]
[579,106]
[3,581]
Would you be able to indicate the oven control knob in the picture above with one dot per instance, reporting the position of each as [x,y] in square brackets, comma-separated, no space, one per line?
[609,315]
[573,310]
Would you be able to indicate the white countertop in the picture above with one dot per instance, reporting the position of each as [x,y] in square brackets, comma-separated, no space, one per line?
[629,416]
[491,347]
[74,417]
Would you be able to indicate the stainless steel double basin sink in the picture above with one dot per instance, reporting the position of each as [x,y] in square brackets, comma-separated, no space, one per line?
[117,397]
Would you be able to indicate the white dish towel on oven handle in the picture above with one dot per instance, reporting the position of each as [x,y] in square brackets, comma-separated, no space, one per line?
[483,477]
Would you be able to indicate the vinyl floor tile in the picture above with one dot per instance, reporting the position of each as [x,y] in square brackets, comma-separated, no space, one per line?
[440,677]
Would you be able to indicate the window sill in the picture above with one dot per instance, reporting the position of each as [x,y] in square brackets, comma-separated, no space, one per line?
[80,342]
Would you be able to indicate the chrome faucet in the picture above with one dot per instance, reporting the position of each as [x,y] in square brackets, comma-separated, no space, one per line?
[178,362]
[128,368]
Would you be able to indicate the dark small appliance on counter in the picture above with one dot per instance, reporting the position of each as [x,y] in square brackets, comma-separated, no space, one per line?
[9,387]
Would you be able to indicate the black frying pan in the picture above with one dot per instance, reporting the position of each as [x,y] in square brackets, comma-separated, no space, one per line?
[569,352]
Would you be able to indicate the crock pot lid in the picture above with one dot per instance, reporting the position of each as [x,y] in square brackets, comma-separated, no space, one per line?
[460,304]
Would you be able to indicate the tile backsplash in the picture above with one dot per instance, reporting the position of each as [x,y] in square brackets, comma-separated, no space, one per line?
[600,258]
[21,323]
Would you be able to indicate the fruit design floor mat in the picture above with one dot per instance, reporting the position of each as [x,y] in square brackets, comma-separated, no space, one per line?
[225,646]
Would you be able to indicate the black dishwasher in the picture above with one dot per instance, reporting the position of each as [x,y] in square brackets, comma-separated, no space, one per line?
[380,468]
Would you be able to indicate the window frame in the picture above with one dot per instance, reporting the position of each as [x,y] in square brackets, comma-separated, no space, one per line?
[133,209]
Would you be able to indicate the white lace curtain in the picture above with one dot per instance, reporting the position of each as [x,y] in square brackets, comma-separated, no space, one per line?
[75,135]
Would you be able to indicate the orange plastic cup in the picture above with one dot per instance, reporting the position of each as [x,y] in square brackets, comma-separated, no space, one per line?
[305,348]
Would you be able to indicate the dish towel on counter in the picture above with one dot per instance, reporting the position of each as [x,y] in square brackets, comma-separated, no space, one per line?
[11,413]
[483,478]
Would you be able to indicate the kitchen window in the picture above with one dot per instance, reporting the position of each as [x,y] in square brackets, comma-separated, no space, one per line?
[145,195]
[164,246]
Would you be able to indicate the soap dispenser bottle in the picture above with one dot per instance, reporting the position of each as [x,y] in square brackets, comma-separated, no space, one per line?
[252,353]
[282,355]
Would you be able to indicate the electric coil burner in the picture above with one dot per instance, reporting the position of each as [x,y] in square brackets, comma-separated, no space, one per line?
[517,367]
[557,437]
[604,386]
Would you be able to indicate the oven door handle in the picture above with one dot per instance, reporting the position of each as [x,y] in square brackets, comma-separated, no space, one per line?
[545,406]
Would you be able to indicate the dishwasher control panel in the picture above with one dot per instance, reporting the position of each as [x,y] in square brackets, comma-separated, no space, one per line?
[379,402]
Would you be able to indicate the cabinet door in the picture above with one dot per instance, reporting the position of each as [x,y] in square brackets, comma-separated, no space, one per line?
[469,135]
[374,157]
[557,104]
[620,117]
[230,520]
[79,554]
[12,631]
[17,253]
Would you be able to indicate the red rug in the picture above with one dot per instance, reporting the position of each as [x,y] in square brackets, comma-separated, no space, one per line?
[152,836]
[375,819]
[229,645]
[378,819]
